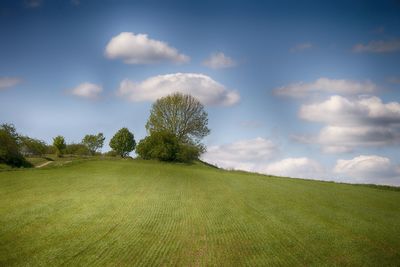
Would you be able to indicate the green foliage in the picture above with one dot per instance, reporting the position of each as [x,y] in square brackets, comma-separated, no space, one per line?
[59,144]
[123,142]
[182,115]
[188,152]
[77,149]
[93,142]
[10,147]
[159,145]
[111,153]
[165,146]
[32,147]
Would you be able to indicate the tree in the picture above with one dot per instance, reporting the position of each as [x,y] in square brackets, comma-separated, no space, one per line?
[10,147]
[59,144]
[123,142]
[93,142]
[32,147]
[182,115]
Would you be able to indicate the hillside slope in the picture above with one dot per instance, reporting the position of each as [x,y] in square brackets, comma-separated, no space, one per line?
[116,213]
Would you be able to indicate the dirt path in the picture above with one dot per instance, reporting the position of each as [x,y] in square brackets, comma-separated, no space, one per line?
[43,164]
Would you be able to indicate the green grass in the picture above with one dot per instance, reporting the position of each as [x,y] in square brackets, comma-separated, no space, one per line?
[138,213]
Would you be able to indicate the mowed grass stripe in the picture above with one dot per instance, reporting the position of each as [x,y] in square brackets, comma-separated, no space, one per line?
[124,213]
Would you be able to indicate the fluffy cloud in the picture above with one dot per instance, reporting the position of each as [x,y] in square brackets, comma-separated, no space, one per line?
[351,123]
[378,46]
[7,82]
[301,47]
[87,90]
[219,61]
[245,155]
[368,169]
[208,91]
[325,85]
[296,167]
[140,49]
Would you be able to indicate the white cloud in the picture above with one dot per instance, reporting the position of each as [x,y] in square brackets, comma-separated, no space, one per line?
[140,49]
[378,46]
[301,47]
[368,169]
[7,82]
[326,85]
[205,89]
[296,167]
[245,155]
[87,90]
[219,61]
[352,123]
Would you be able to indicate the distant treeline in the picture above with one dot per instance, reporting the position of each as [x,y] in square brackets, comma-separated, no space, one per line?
[176,125]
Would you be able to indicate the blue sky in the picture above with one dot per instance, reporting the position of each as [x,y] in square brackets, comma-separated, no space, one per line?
[296,88]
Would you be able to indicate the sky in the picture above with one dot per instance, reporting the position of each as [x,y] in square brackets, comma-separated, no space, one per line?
[307,89]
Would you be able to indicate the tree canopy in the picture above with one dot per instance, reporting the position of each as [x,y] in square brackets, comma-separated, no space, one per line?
[93,142]
[59,144]
[123,142]
[182,115]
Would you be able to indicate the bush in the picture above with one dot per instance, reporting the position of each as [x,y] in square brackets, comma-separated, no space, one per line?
[111,153]
[159,145]
[165,146]
[188,153]
[77,149]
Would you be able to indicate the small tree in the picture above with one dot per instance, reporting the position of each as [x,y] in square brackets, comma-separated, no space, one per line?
[59,144]
[123,142]
[93,142]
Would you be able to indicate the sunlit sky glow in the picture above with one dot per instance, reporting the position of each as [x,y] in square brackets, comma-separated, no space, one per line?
[306,89]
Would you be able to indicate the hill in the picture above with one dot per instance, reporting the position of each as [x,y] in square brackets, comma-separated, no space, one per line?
[144,213]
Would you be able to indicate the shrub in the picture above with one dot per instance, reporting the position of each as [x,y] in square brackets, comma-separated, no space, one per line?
[77,149]
[159,145]
[111,153]
[188,152]
[165,146]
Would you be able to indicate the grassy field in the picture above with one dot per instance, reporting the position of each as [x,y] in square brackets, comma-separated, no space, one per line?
[137,213]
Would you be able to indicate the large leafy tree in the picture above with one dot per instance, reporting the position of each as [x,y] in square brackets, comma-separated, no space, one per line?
[180,114]
[93,142]
[123,142]
[59,144]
